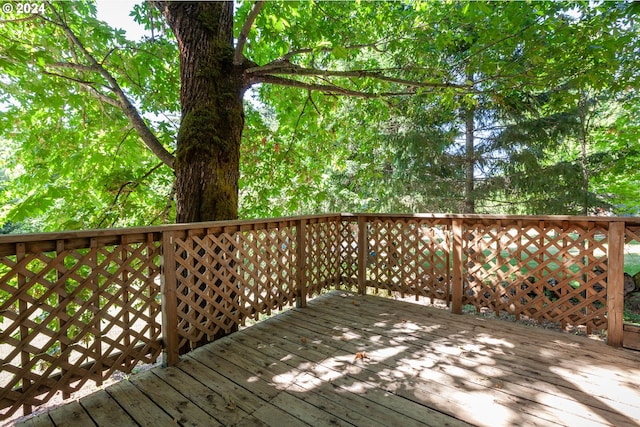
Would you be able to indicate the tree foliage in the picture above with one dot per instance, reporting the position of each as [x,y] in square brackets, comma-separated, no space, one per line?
[347,106]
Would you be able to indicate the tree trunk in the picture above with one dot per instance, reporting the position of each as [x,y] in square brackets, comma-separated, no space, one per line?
[470,155]
[583,114]
[207,160]
[208,148]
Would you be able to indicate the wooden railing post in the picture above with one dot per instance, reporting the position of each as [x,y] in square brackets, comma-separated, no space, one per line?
[363,251]
[168,285]
[615,284]
[25,357]
[301,265]
[457,267]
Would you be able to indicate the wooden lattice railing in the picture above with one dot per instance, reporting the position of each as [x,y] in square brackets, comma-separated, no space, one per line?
[228,273]
[77,306]
[568,270]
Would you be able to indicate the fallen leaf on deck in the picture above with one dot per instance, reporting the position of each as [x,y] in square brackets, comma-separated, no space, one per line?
[231,405]
[303,340]
[354,302]
[498,385]
[361,355]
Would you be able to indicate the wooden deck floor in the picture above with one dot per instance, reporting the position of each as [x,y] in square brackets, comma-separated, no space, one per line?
[423,367]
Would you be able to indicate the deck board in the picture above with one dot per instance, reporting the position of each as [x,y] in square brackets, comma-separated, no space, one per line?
[70,415]
[137,404]
[424,367]
[477,364]
[105,411]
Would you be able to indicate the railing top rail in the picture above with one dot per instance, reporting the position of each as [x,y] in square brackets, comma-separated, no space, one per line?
[553,218]
[109,236]
[84,238]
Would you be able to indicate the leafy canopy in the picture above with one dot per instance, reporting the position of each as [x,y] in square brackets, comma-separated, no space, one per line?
[355,106]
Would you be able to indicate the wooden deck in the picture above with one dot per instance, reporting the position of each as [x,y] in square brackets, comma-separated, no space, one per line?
[423,366]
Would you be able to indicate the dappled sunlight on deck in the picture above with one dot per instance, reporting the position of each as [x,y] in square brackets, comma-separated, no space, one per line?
[371,361]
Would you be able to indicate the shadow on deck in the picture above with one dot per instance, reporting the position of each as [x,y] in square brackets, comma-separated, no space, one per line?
[421,366]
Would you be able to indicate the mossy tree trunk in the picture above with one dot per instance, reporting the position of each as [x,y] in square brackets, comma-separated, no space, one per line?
[208,147]
[207,159]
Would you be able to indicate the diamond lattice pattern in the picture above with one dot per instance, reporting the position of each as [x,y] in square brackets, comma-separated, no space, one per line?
[549,273]
[71,316]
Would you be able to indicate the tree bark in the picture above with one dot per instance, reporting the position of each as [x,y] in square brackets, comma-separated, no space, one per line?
[470,156]
[583,111]
[208,148]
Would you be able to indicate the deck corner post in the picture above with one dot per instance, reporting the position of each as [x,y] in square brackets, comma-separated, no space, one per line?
[169,300]
[363,251]
[301,265]
[615,284]
[457,267]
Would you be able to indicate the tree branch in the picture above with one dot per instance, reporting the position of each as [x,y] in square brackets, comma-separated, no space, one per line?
[147,136]
[28,18]
[89,87]
[287,56]
[286,68]
[73,66]
[333,89]
[134,184]
[244,32]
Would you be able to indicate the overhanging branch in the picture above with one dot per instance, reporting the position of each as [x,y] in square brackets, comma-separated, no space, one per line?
[244,32]
[133,185]
[89,87]
[375,46]
[138,123]
[332,89]
[256,74]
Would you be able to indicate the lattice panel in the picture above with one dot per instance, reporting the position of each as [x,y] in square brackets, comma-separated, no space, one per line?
[433,260]
[543,272]
[349,251]
[632,254]
[632,235]
[410,257]
[225,279]
[71,316]
[322,256]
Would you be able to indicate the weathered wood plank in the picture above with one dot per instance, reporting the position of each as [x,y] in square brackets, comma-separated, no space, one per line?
[229,391]
[173,402]
[105,411]
[140,407]
[225,411]
[269,391]
[336,384]
[514,342]
[296,406]
[275,417]
[522,338]
[313,392]
[41,420]
[509,368]
[246,379]
[71,414]
[400,378]
[270,414]
[446,387]
[306,412]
